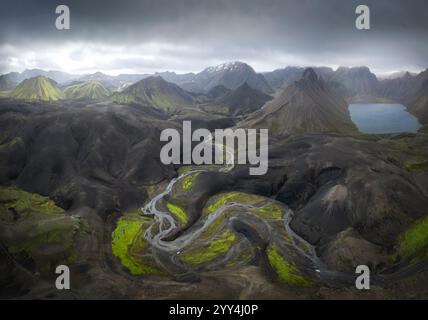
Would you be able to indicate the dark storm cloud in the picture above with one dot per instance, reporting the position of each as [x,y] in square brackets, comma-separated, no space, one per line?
[187,35]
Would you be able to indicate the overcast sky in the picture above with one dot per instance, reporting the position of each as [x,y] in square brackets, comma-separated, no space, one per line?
[146,36]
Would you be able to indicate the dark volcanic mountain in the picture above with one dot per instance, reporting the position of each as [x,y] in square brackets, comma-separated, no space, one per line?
[241,101]
[419,104]
[176,78]
[155,92]
[410,90]
[400,88]
[231,75]
[280,78]
[277,78]
[308,105]
[218,91]
[358,81]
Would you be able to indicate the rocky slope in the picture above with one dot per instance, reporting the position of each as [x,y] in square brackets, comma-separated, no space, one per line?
[100,163]
[241,101]
[308,105]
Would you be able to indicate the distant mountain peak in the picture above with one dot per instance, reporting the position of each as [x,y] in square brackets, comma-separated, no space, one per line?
[228,66]
[156,92]
[37,88]
[310,75]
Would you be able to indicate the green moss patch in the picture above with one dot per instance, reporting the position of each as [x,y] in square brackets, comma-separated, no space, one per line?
[26,203]
[413,243]
[269,211]
[264,207]
[237,197]
[189,181]
[130,246]
[286,270]
[178,212]
[415,165]
[208,252]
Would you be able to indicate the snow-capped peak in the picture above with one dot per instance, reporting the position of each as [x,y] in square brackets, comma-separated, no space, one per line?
[229,66]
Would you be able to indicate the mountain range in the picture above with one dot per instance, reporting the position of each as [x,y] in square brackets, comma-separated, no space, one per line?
[231,89]
[231,75]
[75,172]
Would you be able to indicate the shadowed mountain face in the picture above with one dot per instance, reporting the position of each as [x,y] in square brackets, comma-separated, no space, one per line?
[404,88]
[155,92]
[418,105]
[218,92]
[38,88]
[357,81]
[281,78]
[243,100]
[82,156]
[89,90]
[230,75]
[308,105]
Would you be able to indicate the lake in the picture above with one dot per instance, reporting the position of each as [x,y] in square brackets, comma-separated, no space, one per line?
[383,118]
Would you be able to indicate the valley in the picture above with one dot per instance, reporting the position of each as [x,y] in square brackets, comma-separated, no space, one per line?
[82,184]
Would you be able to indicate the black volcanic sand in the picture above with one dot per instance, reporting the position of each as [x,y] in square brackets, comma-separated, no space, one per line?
[351,198]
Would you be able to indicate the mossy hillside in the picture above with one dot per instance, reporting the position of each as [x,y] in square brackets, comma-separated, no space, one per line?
[88,90]
[416,165]
[25,203]
[269,211]
[207,252]
[410,152]
[35,228]
[37,88]
[157,93]
[286,270]
[130,246]
[413,242]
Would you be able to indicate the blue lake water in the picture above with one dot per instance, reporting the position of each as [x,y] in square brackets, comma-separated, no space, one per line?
[383,118]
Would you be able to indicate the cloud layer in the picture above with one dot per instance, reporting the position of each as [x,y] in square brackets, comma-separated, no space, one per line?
[189,35]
